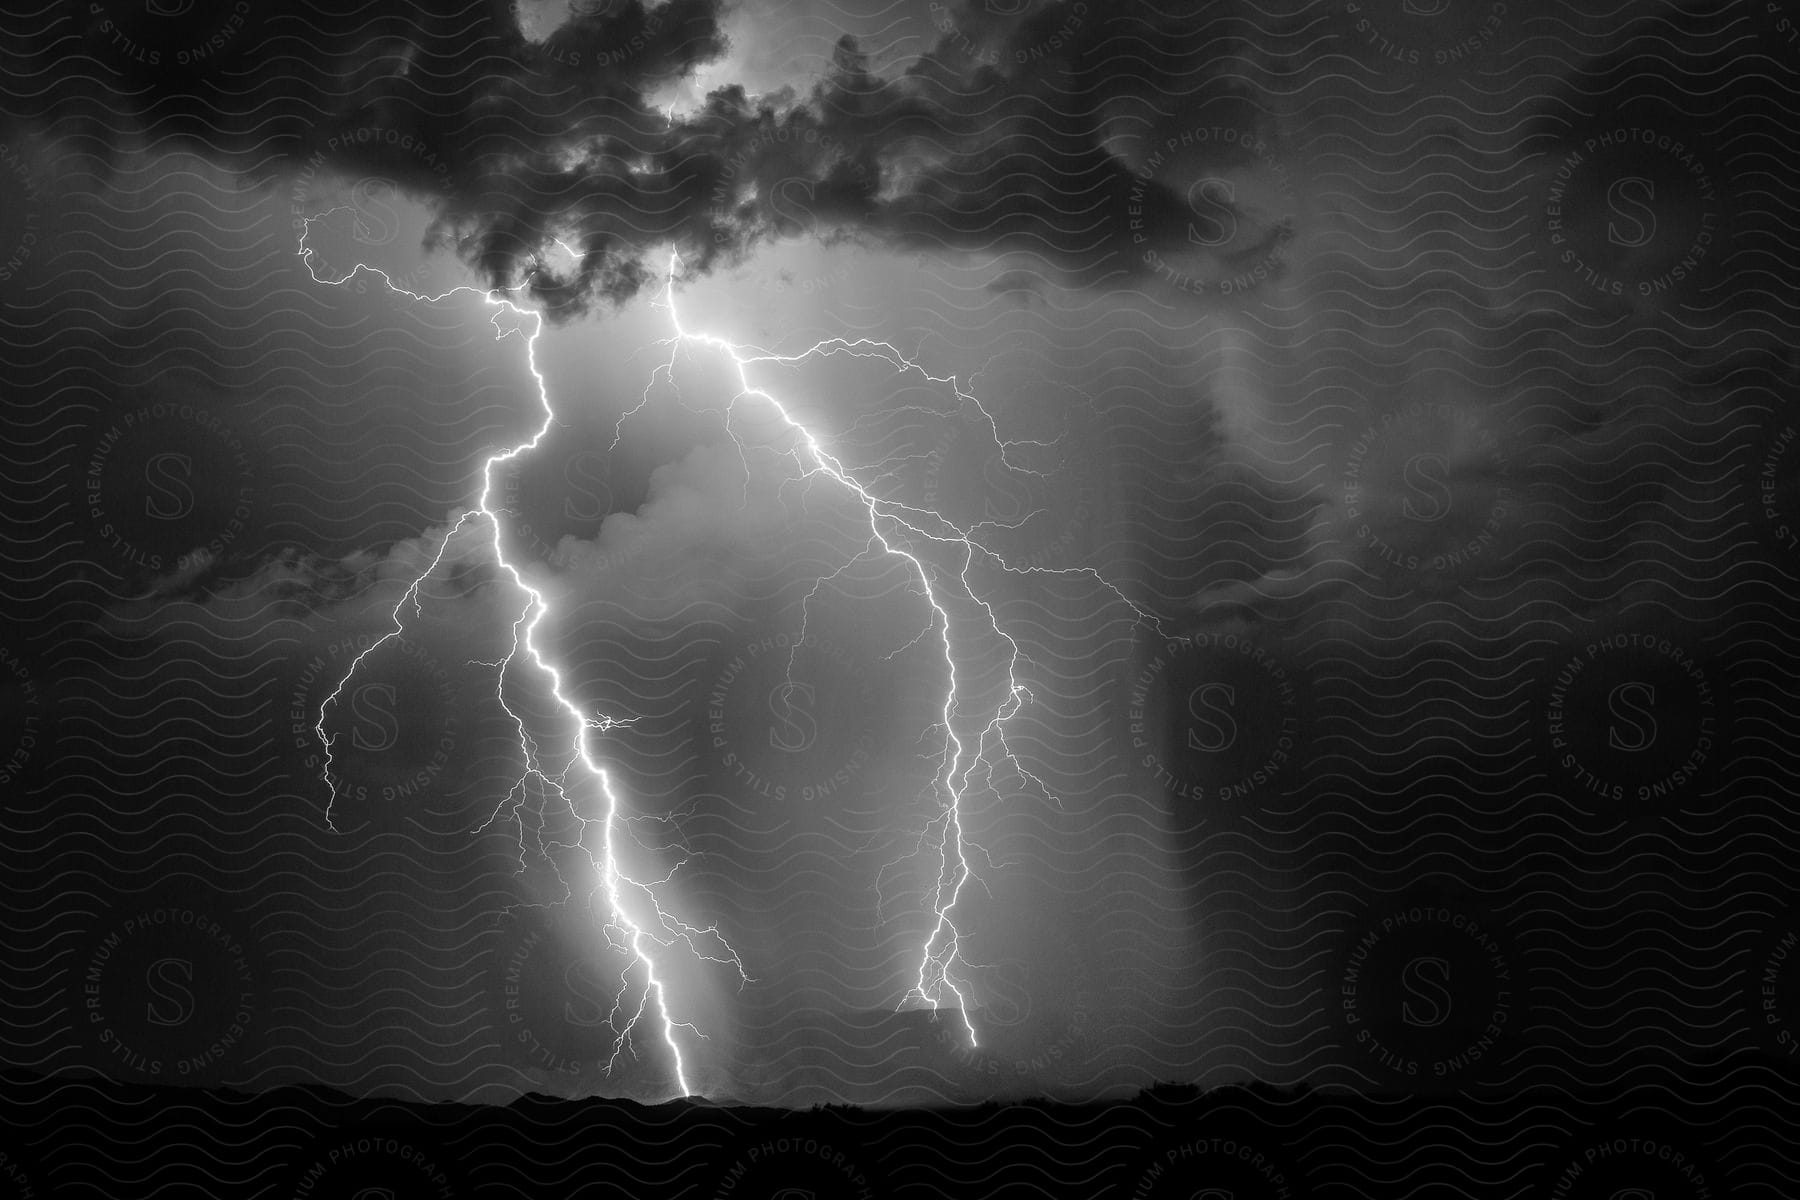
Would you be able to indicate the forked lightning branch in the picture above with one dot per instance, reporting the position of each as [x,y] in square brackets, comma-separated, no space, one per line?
[938,553]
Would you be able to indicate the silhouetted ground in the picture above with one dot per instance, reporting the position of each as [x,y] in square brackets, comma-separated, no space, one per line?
[1649,1139]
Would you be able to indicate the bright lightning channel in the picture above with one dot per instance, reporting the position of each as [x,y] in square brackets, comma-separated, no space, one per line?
[890,519]
[624,931]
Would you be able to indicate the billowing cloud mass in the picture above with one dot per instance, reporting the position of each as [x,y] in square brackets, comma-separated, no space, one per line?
[1002,136]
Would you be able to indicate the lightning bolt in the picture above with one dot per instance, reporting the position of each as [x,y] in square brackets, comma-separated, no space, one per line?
[897,528]
[637,923]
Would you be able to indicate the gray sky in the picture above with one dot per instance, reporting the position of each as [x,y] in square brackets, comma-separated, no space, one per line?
[1293,359]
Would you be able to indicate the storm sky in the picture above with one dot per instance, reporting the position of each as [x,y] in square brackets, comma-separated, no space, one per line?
[1395,517]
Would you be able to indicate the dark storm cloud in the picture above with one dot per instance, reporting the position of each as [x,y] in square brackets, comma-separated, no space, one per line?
[1617,340]
[995,140]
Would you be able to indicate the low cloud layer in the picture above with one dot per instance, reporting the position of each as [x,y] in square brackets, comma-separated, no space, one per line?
[1004,136]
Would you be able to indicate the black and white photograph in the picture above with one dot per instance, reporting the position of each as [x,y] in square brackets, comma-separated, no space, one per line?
[900,599]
